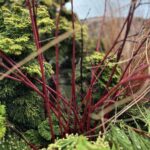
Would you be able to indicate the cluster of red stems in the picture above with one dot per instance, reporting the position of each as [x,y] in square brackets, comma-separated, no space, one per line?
[80,123]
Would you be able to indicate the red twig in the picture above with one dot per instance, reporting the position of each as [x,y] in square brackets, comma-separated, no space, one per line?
[57,62]
[73,99]
[31,8]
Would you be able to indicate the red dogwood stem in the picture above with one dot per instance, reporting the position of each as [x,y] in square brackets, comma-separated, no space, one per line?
[73,98]
[57,64]
[31,8]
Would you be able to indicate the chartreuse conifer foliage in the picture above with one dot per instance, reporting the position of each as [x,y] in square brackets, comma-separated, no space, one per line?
[16,40]
[91,62]
[16,33]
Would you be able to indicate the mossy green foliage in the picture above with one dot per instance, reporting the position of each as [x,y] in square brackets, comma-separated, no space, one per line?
[24,107]
[7,89]
[12,142]
[44,129]
[28,112]
[92,61]
[44,22]
[76,142]
[2,121]
[16,33]
[15,37]
[33,69]
[35,138]
[41,136]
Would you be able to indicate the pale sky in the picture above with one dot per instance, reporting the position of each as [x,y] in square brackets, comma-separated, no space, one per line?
[96,7]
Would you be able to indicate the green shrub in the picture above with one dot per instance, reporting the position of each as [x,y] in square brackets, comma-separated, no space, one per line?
[2,121]
[92,61]
[13,143]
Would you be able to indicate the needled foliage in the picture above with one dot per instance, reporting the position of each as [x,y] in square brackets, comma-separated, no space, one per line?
[90,63]
[12,142]
[125,138]
[45,24]
[138,117]
[93,60]
[16,33]
[44,130]
[33,69]
[28,110]
[24,107]
[2,121]
[35,138]
[8,89]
